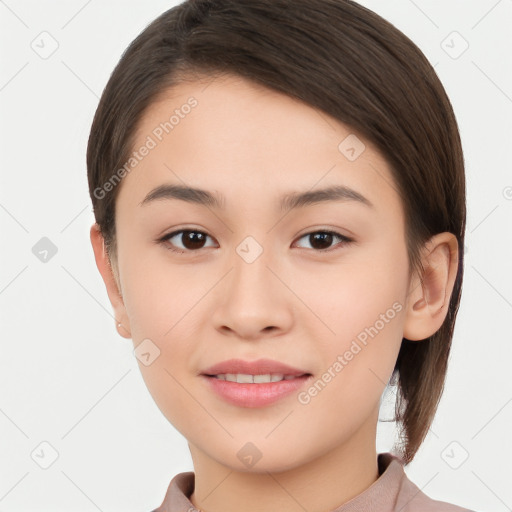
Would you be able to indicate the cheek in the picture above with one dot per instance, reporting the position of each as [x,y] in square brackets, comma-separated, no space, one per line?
[358,360]
[160,297]
[350,298]
[161,307]
[359,327]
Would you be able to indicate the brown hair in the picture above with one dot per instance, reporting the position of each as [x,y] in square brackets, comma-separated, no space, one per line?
[345,60]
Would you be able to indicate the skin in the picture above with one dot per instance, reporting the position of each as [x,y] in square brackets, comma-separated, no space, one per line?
[294,303]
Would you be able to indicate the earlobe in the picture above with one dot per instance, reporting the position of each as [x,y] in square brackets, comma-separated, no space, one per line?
[111,283]
[430,293]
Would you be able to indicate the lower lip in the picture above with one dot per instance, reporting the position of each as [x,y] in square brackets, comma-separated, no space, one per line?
[255,395]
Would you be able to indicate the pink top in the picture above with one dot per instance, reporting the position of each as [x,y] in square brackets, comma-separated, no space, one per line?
[391,492]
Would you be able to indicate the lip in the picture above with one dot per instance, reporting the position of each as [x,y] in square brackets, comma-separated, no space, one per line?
[256,394]
[258,367]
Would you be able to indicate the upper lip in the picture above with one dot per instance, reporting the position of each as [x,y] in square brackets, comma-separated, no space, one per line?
[258,367]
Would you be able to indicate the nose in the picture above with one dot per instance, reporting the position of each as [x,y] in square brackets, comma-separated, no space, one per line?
[253,301]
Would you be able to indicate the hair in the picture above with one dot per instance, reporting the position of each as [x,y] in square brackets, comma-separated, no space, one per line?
[345,60]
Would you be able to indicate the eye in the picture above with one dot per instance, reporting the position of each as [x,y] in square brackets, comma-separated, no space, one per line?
[321,240]
[193,240]
[190,240]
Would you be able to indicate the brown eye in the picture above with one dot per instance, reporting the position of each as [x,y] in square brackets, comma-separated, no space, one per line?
[190,240]
[322,240]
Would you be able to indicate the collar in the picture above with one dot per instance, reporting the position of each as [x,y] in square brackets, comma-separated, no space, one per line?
[382,496]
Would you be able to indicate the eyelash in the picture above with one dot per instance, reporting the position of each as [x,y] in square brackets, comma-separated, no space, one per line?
[165,239]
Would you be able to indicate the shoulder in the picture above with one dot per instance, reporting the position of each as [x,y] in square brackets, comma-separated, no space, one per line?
[411,498]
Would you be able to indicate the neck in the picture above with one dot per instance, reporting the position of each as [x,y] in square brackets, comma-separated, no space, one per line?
[320,485]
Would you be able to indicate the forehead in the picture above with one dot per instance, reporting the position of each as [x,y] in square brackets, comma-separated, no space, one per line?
[234,136]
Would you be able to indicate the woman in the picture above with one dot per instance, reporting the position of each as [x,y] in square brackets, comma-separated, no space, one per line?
[279,197]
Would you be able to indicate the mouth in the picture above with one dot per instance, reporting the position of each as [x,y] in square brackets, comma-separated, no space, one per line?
[246,369]
[254,384]
[247,378]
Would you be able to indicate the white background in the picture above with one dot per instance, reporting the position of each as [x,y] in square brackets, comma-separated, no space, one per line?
[67,378]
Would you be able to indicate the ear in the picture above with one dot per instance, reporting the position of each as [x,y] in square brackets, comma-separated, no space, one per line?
[111,281]
[429,294]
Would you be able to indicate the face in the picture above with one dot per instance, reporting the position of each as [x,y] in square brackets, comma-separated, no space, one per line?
[310,293]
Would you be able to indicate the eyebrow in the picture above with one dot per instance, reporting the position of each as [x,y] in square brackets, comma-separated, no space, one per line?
[288,201]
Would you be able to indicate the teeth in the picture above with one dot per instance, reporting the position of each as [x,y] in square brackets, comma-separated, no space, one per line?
[260,379]
[244,378]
